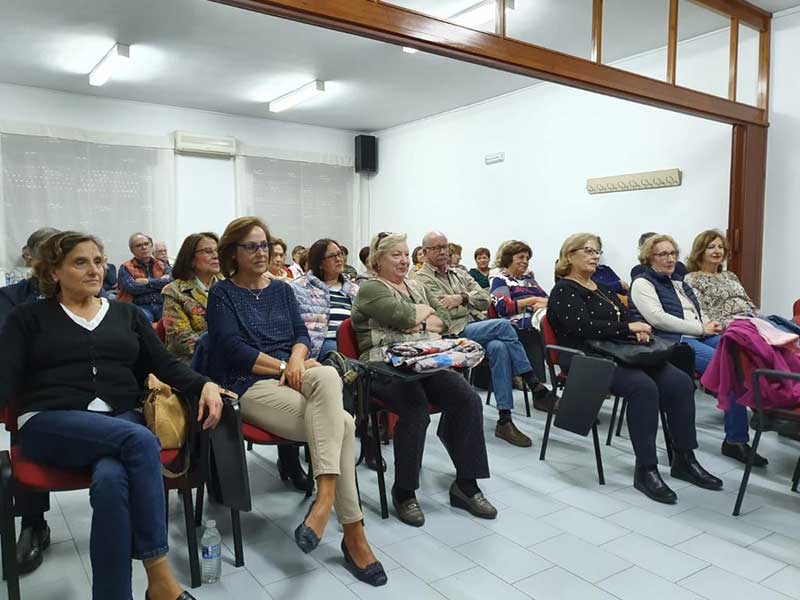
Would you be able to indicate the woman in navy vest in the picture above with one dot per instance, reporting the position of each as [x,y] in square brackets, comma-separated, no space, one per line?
[670,306]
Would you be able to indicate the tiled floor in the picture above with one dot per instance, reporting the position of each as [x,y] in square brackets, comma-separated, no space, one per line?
[559,535]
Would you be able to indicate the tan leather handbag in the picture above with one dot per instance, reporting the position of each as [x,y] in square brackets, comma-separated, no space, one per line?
[165,414]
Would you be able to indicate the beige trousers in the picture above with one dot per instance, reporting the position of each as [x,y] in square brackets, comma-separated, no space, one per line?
[313,415]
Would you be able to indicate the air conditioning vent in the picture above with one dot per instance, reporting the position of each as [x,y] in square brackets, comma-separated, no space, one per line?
[193,143]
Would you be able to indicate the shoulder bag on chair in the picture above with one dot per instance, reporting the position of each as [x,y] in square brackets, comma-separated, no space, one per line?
[632,353]
[166,415]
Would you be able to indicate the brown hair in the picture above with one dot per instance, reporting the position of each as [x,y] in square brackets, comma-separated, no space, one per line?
[510,249]
[234,233]
[480,251]
[50,255]
[646,251]
[277,242]
[454,248]
[316,254]
[183,269]
[574,242]
[414,255]
[701,242]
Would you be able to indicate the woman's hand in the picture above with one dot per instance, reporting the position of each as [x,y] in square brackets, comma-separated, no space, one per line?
[712,328]
[210,405]
[540,303]
[293,375]
[310,363]
[642,337]
[640,328]
[423,312]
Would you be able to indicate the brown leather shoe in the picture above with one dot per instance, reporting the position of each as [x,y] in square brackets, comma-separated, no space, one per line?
[543,398]
[508,431]
[477,505]
[409,512]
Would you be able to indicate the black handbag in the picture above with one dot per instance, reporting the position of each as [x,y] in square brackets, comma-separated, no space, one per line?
[631,353]
[228,481]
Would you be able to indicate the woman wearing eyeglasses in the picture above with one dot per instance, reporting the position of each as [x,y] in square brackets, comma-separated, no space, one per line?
[325,296]
[671,307]
[185,299]
[259,348]
[581,310]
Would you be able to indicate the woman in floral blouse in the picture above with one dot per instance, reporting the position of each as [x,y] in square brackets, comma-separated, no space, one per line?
[185,299]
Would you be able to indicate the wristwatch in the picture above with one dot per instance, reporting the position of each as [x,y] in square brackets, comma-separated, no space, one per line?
[282,367]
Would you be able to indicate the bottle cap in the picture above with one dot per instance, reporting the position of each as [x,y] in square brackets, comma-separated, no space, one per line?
[210,524]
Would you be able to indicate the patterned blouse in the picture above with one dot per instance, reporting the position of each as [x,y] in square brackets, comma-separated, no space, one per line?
[721,296]
[184,316]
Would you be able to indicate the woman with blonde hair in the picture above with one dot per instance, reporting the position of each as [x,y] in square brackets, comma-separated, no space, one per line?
[580,310]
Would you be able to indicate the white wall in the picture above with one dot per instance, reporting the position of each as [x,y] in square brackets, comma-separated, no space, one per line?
[432,172]
[780,277]
[205,187]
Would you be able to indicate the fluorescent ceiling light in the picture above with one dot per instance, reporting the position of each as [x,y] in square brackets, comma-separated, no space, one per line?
[408,50]
[479,15]
[294,98]
[111,61]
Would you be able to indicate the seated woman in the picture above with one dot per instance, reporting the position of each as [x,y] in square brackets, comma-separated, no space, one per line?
[325,296]
[518,297]
[196,269]
[277,256]
[582,310]
[68,363]
[419,258]
[258,347]
[390,308]
[669,305]
[481,271]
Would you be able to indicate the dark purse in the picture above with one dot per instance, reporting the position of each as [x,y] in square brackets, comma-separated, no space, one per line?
[632,353]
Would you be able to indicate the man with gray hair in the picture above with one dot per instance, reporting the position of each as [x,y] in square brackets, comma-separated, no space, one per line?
[142,278]
[468,302]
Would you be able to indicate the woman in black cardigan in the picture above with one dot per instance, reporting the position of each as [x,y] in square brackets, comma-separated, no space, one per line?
[580,310]
[73,364]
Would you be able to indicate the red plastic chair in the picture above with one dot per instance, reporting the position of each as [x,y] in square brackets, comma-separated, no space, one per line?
[370,408]
[796,311]
[17,470]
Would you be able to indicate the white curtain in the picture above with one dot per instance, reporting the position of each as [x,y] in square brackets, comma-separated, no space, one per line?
[110,191]
[301,202]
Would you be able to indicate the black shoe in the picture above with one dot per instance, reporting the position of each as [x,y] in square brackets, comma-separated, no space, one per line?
[298,477]
[740,451]
[372,463]
[33,541]
[476,505]
[372,574]
[686,467]
[648,481]
[305,537]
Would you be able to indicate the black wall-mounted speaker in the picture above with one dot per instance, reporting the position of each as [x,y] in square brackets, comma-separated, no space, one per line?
[366,154]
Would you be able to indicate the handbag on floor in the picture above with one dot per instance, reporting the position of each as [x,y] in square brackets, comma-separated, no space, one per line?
[632,353]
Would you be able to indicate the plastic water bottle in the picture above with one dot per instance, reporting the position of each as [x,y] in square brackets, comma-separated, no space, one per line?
[211,544]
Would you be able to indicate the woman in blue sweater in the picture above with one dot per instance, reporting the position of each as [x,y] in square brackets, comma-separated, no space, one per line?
[258,347]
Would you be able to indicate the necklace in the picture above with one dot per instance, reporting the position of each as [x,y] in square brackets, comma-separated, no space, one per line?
[607,299]
[257,295]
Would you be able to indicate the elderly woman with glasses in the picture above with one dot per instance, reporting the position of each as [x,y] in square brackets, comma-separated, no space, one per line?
[186,298]
[259,348]
[325,296]
[580,310]
[669,304]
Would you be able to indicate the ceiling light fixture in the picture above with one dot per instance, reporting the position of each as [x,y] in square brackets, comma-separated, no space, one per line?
[111,61]
[294,98]
[408,50]
[480,15]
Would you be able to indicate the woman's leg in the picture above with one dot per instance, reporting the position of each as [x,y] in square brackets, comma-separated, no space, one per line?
[113,447]
[642,395]
[703,351]
[676,393]
[328,346]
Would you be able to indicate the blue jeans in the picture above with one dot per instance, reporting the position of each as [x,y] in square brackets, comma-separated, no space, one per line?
[506,355]
[126,493]
[328,346]
[736,426]
[153,312]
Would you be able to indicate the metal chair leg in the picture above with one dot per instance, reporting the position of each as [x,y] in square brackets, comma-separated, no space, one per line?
[191,536]
[489,390]
[598,457]
[546,436]
[667,436]
[238,551]
[525,389]
[198,505]
[8,534]
[250,446]
[796,476]
[310,488]
[379,461]
[613,421]
[746,475]
[621,417]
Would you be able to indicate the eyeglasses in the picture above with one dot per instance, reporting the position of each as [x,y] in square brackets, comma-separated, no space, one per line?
[672,254]
[439,248]
[207,251]
[253,247]
[142,245]
[589,251]
[334,256]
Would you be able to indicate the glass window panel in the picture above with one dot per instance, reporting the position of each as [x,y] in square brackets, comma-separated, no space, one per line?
[562,25]
[642,48]
[704,39]
[747,74]
[476,14]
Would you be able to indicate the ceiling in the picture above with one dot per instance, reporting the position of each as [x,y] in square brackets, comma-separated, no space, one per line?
[199,54]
